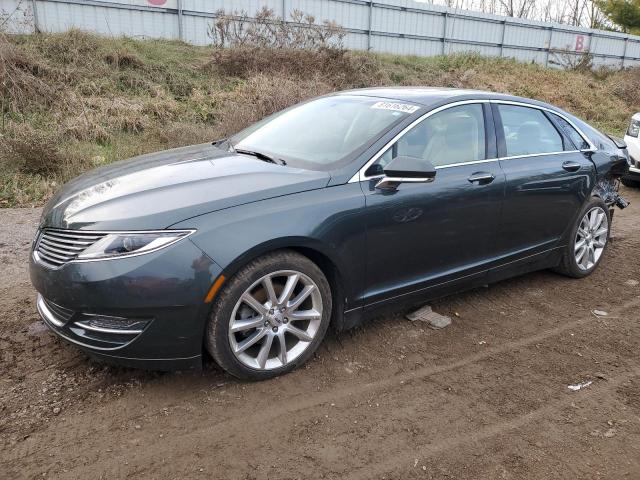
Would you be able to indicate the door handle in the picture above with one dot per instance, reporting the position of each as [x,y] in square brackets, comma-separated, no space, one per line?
[482,178]
[570,166]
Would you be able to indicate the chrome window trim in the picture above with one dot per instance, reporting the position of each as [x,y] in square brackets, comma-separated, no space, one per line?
[513,157]
[460,164]
[359,176]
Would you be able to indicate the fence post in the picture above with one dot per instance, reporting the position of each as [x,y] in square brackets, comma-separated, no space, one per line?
[444,33]
[504,29]
[36,28]
[180,33]
[546,59]
[624,52]
[284,10]
[370,20]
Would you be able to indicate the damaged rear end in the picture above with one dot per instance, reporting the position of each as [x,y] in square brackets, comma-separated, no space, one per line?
[611,165]
[612,161]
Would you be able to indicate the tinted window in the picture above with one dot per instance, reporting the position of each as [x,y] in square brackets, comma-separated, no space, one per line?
[454,135]
[528,131]
[322,132]
[578,142]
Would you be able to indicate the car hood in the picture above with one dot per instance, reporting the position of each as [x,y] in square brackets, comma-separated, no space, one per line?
[157,190]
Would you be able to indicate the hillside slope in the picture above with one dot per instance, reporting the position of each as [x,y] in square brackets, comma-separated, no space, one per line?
[74,101]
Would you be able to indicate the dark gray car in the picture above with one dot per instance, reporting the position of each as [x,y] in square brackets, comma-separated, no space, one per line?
[324,213]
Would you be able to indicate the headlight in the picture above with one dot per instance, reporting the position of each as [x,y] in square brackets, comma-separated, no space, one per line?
[131,243]
[634,128]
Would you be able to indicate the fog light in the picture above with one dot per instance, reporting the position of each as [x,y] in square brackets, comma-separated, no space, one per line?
[108,324]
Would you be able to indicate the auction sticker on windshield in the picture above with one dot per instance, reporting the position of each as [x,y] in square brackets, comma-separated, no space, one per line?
[398,107]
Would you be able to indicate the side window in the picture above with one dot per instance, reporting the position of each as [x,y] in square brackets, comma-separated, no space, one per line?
[528,131]
[454,135]
[578,142]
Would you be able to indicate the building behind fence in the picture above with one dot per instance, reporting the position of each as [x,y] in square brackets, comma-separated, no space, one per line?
[404,27]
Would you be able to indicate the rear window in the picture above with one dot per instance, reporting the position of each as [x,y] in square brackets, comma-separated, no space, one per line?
[527,131]
[578,142]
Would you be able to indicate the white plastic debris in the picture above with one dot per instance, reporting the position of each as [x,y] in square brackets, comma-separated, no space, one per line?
[427,315]
[599,313]
[579,386]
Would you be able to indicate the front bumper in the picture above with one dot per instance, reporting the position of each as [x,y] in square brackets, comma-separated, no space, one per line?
[146,311]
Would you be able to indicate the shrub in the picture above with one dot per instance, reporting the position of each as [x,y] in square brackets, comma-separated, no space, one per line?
[33,150]
[267,30]
[338,68]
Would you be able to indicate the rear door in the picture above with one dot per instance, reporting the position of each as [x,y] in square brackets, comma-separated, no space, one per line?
[547,179]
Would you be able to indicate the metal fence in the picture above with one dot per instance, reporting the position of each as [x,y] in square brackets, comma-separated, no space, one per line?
[405,27]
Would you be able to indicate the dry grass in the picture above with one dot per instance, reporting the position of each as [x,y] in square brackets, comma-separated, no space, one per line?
[72,101]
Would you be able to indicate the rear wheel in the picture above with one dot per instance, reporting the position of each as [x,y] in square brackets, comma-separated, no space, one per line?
[588,240]
[270,317]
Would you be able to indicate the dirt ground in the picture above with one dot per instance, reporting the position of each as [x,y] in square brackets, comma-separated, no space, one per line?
[486,397]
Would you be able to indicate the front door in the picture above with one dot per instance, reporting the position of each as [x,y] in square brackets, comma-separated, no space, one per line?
[424,235]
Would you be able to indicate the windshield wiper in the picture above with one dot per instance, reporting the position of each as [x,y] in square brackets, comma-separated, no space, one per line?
[261,156]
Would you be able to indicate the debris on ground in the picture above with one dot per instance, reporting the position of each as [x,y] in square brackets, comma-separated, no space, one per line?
[599,313]
[427,315]
[579,386]
[632,283]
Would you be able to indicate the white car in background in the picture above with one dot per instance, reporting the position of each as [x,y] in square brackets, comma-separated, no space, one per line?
[632,139]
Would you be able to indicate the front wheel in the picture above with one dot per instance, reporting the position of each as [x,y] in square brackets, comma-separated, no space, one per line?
[587,241]
[270,317]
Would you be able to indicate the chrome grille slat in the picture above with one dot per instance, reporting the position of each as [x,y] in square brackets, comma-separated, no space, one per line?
[49,260]
[64,258]
[66,245]
[56,247]
[73,238]
[64,253]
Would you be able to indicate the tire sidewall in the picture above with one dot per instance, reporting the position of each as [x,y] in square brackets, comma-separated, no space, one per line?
[574,269]
[217,332]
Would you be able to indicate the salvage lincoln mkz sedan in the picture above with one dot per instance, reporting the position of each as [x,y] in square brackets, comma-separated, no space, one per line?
[250,247]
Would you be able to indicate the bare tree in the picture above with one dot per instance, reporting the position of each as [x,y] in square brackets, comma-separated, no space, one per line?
[583,13]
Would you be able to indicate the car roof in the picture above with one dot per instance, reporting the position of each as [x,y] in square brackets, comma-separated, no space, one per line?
[435,96]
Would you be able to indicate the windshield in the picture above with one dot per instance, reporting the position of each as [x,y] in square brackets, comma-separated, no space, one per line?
[322,133]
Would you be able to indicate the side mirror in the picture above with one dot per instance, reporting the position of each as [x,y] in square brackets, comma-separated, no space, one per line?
[405,169]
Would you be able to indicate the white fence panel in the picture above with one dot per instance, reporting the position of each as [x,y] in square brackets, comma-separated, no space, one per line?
[392,26]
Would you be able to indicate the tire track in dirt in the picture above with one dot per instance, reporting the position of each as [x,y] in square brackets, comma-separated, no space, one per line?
[447,444]
[229,428]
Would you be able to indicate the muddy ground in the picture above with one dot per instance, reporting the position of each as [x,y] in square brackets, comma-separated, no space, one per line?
[485,398]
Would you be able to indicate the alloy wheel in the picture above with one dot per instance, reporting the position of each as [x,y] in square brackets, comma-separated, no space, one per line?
[591,238]
[275,320]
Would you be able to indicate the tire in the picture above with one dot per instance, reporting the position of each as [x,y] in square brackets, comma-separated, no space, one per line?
[569,264]
[630,182]
[268,320]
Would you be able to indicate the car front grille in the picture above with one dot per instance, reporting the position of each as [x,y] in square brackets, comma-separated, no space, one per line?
[55,248]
